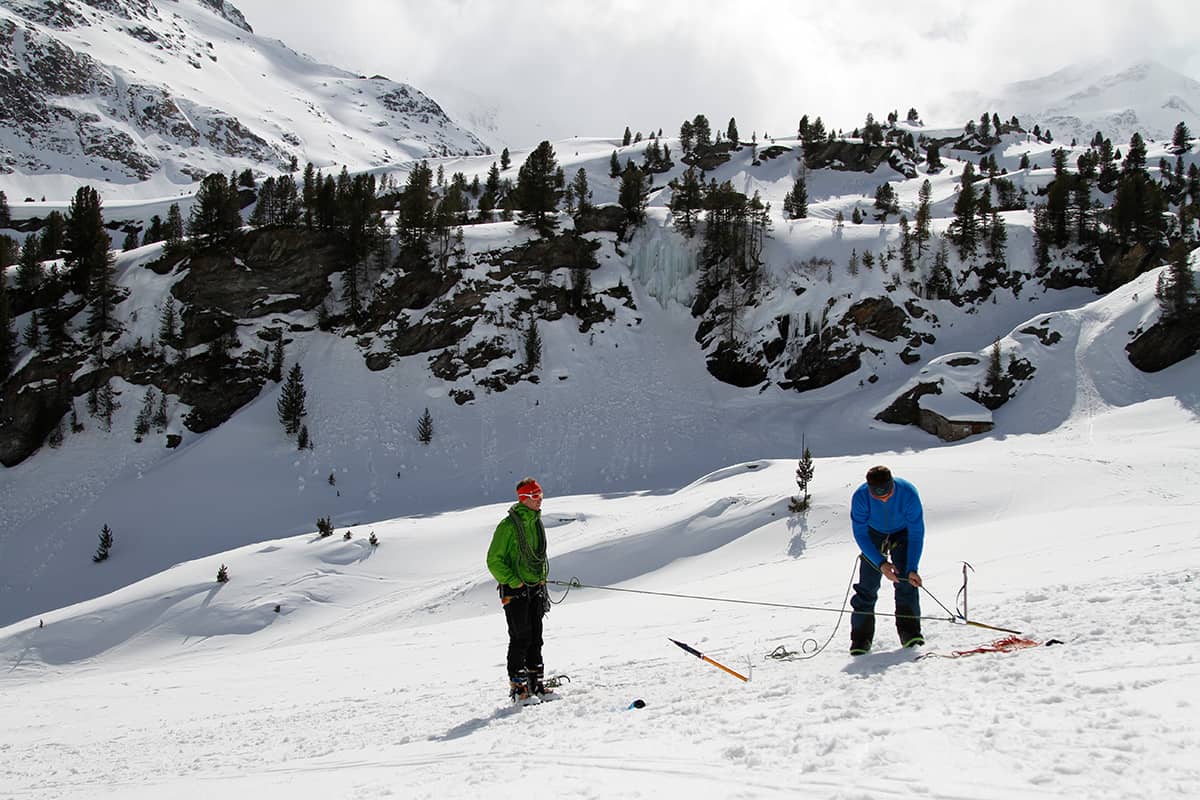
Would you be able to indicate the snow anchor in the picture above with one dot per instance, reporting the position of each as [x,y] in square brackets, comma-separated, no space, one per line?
[705,658]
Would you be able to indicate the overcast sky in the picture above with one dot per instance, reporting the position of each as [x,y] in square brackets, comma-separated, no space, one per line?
[560,68]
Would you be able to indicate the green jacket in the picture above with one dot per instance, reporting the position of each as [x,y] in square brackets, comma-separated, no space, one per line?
[518,552]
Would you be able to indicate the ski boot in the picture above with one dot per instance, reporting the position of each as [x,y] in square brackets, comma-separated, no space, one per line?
[537,684]
[518,688]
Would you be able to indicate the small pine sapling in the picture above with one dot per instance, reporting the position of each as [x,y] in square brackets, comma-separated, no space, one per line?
[106,543]
[374,540]
[324,527]
[425,428]
[347,536]
[223,574]
[804,475]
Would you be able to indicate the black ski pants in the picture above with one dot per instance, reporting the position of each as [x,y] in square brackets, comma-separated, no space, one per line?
[523,609]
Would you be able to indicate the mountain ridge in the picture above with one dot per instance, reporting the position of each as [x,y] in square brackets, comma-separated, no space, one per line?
[134,93]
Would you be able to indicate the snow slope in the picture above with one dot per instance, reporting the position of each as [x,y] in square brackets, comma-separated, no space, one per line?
[382,673]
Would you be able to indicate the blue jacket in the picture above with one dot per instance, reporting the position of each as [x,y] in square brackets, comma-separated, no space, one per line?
[902,510]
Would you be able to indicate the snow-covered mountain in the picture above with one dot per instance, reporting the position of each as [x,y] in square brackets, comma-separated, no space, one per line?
[1078,100]
[161,92]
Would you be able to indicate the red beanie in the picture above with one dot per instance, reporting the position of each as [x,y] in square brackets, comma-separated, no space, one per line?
[528,488]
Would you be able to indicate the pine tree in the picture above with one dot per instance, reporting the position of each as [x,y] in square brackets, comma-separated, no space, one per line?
[702,131]
[906,245]
[29,264]
[324,527]
[885,201]
[101,319]
[941,283]
[614,165]
[533,346]
[145,416]
[425,428]
[1176,288]
[1181,140]
[583,194]
[9,251]
[538,189]
[923,217]
[505,159]
[215,216]
[856,217]
[632,195]
[173,230]
[732,132]
[168,323]
[160,419]
[106,543]
[687,137]
[933,159]
[290,406]
[131,241]
[686,201]
[795,202]
[994,372]
[55,438]
[963,230]
[275,372]
[997,239]
[33,332]
[54,235]
[5,211]
[87,241]
[627,138]
[804,475]
[223,574]
[1135,160]
[303,440]
[8,334]
[106,405]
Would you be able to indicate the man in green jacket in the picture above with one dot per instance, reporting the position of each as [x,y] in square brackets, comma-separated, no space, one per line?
[517,560]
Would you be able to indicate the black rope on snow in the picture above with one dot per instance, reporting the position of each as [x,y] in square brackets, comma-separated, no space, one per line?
[574,583]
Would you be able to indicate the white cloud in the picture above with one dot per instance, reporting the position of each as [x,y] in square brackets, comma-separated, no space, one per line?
[571,67]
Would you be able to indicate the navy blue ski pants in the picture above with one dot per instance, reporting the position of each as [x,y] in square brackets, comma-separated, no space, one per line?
[866,592]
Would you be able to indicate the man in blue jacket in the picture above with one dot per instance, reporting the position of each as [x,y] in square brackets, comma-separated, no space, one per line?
[888,522]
